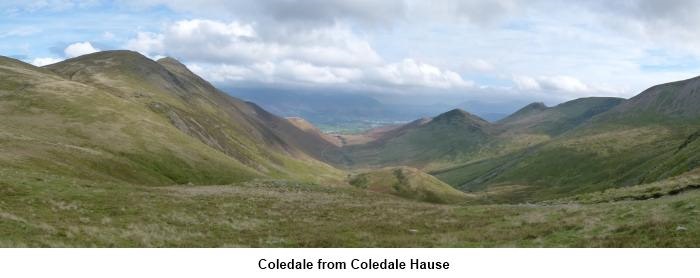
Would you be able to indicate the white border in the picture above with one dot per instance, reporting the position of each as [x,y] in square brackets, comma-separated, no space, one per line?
[538,263]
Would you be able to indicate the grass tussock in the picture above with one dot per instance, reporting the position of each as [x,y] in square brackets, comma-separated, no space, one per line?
[44,210]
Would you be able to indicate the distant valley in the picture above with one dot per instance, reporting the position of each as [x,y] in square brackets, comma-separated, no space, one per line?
[348,112]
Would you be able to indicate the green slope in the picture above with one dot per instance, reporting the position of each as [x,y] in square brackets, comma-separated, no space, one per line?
[117,115]
[457,137]
[446,137]
[666,104]
[553,121]
[44,210]
[409,183]
[91,150]
[644,139]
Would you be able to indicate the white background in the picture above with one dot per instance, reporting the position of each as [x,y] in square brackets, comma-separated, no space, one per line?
[244,262]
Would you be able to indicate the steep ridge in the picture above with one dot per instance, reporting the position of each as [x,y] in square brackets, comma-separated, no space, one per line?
[664,103]
[303,124]
[169,85]
[63,127]
[529,110]
[119,115]
[309,141]
[538,118]
[309,128]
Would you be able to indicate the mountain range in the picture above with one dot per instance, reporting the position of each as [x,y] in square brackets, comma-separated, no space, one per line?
[120,115]
[139,129]
[352,112]
[583,145]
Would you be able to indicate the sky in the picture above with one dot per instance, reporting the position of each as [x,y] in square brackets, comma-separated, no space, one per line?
[394,50]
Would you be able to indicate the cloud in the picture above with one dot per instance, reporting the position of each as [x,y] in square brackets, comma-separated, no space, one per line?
[234,42]
[526,83]
[567,85]
[229,52]
[542,48]
[651,14]
[290,12]
[40,62]
[79,48]
[147,43]
[563,83]
[284,72]
[21,31]
[307,72]
[72,50]
[410,72]
[314,13]
[108,36]
[479,12]
[406,74]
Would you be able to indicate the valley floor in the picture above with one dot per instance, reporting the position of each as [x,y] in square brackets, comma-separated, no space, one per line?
[42,210]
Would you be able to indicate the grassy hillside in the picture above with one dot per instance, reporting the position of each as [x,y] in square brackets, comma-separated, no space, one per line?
[661,104]
[102,150]
[74,212]
[119,116]
[584,162]
[408,183]
[537,118]
[648,138]
[443,138]
[682,184]
[460,138]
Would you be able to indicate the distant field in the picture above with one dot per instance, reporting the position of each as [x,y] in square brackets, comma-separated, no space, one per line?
[354,127]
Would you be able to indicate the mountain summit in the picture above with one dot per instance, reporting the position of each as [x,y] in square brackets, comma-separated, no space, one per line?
[151,122]
[443,138]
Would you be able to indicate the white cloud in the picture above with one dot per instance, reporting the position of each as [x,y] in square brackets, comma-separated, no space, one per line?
[40,62]
[288,71]
[406,74]
[147,43]
[188,29]
[410,72]
[229,52]
[79,48]
[233,42]
[563,83]
[223,73]
[306,72]
[541,49]
[108,36]
[567,85]
[526,83]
